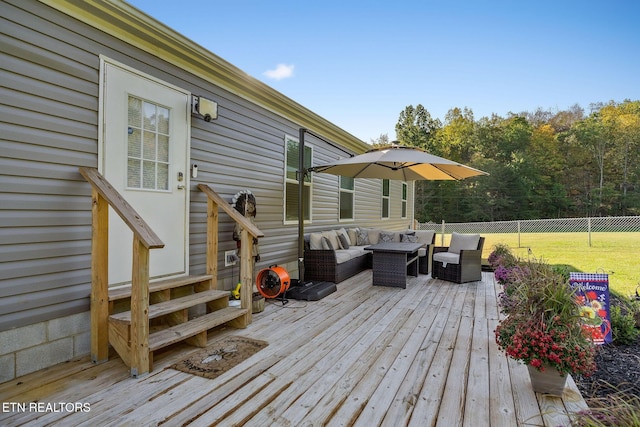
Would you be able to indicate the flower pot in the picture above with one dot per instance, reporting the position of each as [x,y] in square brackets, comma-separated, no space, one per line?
[548,381]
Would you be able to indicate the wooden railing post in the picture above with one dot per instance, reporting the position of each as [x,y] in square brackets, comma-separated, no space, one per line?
[144,239]
[140,309]
[248,232]
[246,272]
[212,241]
[99,278]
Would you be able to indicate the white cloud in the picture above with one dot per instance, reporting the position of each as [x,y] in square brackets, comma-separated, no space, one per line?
[282,71]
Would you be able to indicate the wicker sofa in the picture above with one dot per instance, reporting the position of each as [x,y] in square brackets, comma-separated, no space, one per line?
[336,255]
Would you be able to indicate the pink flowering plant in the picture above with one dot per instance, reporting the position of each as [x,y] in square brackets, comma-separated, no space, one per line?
[543,326]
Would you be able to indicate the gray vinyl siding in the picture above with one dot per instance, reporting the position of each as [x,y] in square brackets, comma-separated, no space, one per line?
[49,87]
[48,128]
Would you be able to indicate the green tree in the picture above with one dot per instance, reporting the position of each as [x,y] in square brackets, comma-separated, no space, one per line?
[591,136]
[417,128]
[381,141]
[457,138]
[623,125]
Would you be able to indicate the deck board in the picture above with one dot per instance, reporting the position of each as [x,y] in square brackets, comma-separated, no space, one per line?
[363,356]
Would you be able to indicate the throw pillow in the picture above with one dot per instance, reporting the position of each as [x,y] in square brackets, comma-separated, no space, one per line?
[424,236]
[408,238]
[386,236]
[326,244]
[344,242]
[363,238]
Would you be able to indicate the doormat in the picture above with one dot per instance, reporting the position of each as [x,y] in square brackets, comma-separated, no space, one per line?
[220,356]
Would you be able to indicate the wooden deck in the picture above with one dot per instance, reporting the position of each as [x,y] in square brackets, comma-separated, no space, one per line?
[363,356]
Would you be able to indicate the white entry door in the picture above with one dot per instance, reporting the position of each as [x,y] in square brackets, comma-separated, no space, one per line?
[145,155]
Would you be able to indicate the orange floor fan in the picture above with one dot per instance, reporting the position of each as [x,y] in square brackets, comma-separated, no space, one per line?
[273,282]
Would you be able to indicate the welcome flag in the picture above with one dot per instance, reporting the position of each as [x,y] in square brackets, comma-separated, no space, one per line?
[592,291]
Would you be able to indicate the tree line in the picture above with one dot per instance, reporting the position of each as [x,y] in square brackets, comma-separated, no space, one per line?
[542,164]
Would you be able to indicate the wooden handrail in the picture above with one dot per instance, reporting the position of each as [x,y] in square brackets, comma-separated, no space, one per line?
[129,215]
[104,195]
[233,213]
[248,233]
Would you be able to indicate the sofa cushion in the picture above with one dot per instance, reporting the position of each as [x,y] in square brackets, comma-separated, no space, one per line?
[446,258]
[315,241]
[353,236]
[463,242]
[374,235]
[349,254]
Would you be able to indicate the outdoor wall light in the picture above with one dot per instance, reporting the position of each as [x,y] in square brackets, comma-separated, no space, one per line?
[207,108]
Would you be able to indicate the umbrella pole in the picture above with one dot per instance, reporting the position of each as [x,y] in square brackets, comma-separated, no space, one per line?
[301,173]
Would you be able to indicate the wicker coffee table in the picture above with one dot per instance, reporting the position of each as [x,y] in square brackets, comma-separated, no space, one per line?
[393,261]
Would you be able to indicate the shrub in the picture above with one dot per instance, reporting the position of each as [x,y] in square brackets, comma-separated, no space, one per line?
[501,256]
[616,410]
[623,326]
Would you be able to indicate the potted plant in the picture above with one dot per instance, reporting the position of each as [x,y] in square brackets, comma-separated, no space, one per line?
[542,326]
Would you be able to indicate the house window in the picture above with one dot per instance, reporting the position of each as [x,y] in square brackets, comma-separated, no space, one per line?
[404,199]
[346,197]
[147,145]
[292,161]
[385,198]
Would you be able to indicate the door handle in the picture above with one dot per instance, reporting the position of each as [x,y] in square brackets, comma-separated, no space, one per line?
[180,179]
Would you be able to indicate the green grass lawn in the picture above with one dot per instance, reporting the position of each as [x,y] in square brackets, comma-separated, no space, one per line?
[617,254]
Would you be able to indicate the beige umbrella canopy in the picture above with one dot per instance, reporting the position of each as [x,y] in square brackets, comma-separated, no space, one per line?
[400,163]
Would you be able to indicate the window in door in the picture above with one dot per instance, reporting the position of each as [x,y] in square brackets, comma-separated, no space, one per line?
[147,145]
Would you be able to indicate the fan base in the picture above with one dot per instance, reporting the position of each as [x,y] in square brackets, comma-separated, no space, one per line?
[310,291]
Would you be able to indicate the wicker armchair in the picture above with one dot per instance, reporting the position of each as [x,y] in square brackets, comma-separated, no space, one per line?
[461,261]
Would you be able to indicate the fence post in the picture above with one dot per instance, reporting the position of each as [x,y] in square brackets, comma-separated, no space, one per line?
[519,245]
[442,234]
[589,229]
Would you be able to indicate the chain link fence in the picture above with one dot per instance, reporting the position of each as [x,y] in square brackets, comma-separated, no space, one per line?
[619,224]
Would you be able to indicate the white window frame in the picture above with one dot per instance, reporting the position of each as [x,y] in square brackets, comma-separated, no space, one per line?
[404,204]
[341,191]
[385,198]
[288,180]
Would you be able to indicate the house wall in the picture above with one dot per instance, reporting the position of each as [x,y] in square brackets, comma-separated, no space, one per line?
[49,65]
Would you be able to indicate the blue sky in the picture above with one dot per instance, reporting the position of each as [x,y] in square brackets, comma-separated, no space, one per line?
[360,63]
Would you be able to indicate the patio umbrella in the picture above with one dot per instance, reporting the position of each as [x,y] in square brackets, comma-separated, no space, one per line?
[400,163]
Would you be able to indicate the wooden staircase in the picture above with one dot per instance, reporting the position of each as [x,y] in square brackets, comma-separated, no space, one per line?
[143,317]
[180,309]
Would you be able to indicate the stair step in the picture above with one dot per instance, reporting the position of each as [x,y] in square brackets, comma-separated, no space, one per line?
[171,306]
[122,292]
[193,327]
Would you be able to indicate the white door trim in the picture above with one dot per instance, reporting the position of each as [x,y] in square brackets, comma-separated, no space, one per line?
[102,158]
